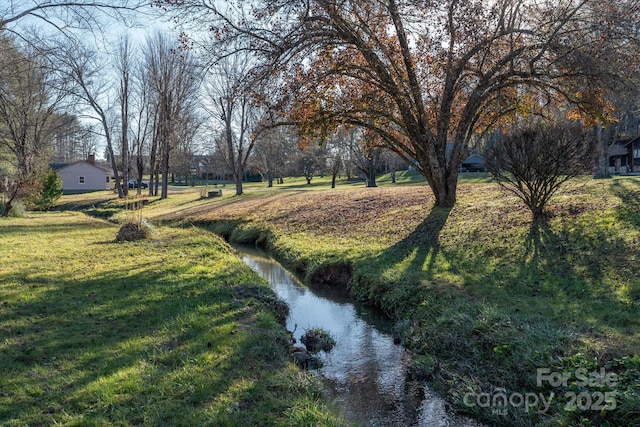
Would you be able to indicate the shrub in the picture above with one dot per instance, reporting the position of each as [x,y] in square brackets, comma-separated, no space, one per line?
[534,162]
[50,192]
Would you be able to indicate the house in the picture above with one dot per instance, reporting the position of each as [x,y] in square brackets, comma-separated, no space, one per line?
[473,163]
[624,156]
[83,176]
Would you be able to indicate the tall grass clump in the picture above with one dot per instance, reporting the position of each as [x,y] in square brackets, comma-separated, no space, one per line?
[135,226]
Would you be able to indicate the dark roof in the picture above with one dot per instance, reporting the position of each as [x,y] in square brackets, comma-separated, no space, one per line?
[626,142]
[619,150]
[57,166]
[474,159]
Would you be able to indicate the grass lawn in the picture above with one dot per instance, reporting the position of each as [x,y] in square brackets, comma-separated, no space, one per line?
[483,296]
[175,330]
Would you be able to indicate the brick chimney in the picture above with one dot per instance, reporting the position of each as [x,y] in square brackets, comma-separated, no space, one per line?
[91,158]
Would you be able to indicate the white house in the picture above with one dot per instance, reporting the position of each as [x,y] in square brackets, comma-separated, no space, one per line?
[84,176]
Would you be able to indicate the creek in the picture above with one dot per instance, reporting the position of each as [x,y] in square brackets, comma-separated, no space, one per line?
[365,373]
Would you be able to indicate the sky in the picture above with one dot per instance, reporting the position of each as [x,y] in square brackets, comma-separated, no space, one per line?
[104,40]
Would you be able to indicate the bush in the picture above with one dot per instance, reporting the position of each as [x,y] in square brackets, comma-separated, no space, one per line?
[534,162]
[50,192]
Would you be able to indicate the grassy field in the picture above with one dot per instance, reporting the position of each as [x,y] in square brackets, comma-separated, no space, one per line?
[175,330]
[481,295]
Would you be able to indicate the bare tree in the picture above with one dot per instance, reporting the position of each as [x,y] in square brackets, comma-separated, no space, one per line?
[64,15]
[174,82]
[124,68]
[425,76]
[337,147]
[29,101]
[312,161]
[273,153]
[366,153]
[142,121]
[392,163]
[234,113]
[92,89]
[187,132]
[535,161]
[73,139]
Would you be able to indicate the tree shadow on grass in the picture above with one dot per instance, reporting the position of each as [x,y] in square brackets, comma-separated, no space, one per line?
[423,242]
[143,347]
[578,276]
[390,279]
[628,191]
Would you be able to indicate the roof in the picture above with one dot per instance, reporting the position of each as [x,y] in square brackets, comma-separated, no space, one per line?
[59,166]
[619,150]
[625,142]
[474,159]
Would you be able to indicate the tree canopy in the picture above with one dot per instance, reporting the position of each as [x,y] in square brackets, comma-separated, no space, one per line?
[425,76]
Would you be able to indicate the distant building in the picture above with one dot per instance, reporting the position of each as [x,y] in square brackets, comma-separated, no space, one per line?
[83,176]
[624,156]
[473,163]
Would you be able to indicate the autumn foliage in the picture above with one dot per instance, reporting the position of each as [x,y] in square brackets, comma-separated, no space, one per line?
[426,77]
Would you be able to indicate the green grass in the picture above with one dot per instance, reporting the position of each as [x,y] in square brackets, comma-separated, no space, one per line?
[479,293]
[483,296]
[175,330]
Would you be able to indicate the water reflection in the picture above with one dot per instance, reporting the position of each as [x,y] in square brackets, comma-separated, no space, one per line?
[365,371]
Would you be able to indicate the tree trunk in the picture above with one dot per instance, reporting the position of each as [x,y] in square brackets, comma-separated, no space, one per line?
[603,158]
[140,170]
[8,206]
[238,181]
[156,182]
[371,179]
[444,188]
[165,174]
[114,167]
[7,209]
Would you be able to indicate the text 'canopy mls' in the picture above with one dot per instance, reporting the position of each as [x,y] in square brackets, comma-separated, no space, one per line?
[425,76]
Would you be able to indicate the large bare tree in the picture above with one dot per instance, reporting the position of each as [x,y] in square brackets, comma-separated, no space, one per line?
[124,68]
[142,120]
[425,76]
[29,101]
[63,15]
[174,80]
[234,113]
[92,90]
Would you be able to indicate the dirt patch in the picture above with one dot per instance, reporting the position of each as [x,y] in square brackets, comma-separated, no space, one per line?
[339,274]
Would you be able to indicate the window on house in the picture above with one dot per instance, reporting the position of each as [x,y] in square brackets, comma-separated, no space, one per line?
[636,153]
[107,179]
[81,179]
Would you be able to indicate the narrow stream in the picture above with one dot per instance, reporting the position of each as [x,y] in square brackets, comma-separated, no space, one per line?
[365,372]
